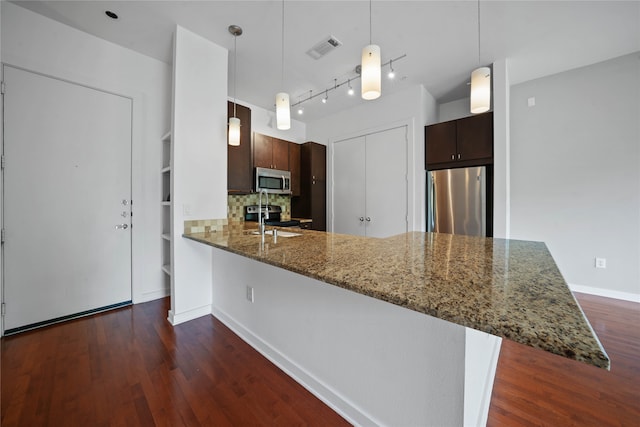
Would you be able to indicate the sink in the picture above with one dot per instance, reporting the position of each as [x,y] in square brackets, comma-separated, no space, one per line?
[281,233]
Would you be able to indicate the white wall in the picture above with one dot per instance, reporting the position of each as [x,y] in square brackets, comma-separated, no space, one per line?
[40,44]
[575,172]
[454,110]
[413,106]
[199,169]
[375,363]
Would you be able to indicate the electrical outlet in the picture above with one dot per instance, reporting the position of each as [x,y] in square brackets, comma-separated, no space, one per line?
[601,263]
[249,294]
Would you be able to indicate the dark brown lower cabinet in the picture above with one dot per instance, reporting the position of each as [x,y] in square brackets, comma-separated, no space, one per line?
[313,186]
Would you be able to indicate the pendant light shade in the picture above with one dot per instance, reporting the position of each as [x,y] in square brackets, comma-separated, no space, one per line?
[480,90]
[234,131]
[371,72]
[283,112]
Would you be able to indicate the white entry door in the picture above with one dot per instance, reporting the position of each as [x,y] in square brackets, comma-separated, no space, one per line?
[369,188]
[67,199]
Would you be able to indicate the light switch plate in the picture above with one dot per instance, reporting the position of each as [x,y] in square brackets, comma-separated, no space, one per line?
[601,263]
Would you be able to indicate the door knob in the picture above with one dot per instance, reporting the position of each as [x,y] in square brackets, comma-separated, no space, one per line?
[368,219]
[361,218]
[122,226]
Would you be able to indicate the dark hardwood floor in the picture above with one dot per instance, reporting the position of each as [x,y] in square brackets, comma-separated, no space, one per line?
[535,388]
[130,367]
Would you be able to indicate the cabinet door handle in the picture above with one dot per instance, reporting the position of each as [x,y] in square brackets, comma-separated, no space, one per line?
[453,157]
[458,156]
[361,218]
[368,219]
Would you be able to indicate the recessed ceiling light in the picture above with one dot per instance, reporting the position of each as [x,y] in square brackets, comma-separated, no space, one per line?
[110,14]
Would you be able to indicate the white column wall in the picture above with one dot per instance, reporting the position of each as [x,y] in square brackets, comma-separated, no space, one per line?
[199,170]
[501,151]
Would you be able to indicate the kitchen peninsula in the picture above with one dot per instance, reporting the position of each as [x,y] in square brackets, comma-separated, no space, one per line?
[357,346]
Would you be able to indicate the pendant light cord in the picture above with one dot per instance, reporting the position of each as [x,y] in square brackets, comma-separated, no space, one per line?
[282,68]
[235,71]
[370,23]
[479,61]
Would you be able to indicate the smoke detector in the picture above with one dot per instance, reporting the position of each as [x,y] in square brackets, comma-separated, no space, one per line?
[323,47]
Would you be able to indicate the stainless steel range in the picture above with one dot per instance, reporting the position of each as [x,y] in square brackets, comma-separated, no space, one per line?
[273,217]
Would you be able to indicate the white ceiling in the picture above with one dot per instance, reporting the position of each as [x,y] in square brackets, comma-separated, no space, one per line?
[439,38]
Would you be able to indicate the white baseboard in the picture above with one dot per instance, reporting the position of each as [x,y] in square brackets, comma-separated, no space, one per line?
[316,387]
[185,316]
[608,293]
[153,295]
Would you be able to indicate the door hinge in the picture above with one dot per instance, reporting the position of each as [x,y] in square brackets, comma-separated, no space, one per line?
[2,88]
[2,161]
[4,309]
[2,236]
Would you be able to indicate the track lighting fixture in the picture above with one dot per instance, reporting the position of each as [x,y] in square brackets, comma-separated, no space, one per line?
[347,82]
[350,91]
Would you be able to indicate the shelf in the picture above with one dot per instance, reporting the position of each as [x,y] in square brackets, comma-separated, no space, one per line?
[165,184]
[167,269]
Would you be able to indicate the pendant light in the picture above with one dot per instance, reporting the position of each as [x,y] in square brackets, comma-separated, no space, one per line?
[234,122]
[371,70]
[283,111]
[480,82]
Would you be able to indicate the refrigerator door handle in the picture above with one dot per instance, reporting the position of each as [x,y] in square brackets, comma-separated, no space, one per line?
[432,203]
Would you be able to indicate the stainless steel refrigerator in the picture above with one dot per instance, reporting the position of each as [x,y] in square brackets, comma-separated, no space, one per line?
[457,201]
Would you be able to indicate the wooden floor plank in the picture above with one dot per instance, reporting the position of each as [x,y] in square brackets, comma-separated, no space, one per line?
[130,367]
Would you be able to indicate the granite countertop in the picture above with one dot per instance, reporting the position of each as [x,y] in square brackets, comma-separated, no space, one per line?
[509,288]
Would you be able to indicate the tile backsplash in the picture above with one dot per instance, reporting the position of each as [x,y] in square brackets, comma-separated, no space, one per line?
[236,204]
[205,226]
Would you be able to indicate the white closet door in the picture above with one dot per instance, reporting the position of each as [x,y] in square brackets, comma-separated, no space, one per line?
[349,186]
[386,183]
[68,171]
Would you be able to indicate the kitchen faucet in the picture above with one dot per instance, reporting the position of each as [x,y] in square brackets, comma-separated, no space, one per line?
[261,226]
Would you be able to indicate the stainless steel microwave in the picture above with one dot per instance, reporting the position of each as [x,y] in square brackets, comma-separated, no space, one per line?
[273,181]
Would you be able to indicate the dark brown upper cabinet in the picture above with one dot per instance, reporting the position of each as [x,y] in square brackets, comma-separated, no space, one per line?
[239,171]
[270,152]
[459,143]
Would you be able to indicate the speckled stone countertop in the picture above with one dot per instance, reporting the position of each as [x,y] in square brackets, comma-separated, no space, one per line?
[509,288]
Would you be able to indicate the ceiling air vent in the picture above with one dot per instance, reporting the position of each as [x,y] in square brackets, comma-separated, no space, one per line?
[328,44]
